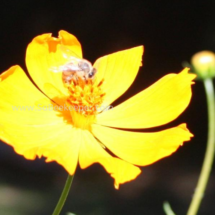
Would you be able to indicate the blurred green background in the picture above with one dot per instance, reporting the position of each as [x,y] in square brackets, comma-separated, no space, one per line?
[171,31]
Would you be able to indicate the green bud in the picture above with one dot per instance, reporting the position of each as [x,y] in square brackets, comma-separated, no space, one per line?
[204,64]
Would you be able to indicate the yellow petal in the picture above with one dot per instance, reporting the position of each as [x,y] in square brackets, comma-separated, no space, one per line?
[142,148]
[118,71]
[28,123]
[159,104]
[91,152]
[45,54]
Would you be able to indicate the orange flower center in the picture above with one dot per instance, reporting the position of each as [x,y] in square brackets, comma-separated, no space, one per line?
[84,101]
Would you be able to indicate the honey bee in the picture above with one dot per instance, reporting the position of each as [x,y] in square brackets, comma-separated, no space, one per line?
[75,68]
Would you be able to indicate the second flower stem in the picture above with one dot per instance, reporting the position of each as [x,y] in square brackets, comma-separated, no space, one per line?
[209,154]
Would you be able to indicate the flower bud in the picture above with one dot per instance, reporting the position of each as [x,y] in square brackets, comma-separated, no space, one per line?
[204,64]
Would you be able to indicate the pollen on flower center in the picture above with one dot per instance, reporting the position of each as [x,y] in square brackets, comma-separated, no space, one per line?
[84,101]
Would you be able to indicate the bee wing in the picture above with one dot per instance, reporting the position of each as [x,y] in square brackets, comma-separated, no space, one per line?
[57,69]
[72,61]
[71,66]
[67,53]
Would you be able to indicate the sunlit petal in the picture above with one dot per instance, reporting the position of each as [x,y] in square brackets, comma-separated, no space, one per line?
[31,126]
[159,104]
[45,54]
[142,148]
[118,71]
[92,152]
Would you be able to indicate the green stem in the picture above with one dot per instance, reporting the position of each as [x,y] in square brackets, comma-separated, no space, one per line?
[64,195]
[167,209]
[209,154]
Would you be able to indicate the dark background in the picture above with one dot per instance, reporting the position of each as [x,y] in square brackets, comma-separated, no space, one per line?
[171,31]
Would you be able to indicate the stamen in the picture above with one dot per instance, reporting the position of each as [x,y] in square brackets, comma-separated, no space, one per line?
[100,83]
[85,97]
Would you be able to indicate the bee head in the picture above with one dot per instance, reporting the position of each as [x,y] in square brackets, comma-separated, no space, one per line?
[92,73]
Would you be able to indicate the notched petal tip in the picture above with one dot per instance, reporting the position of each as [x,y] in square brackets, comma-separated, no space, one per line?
[187,135]
[42,38]
[138,51]
[141,51]
[133,173]
[64,38]
[191,76]
[184,127]
[9,72]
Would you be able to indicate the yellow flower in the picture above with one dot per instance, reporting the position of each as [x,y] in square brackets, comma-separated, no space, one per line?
[37,122]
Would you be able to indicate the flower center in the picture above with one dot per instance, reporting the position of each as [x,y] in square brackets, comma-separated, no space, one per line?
[84,101]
